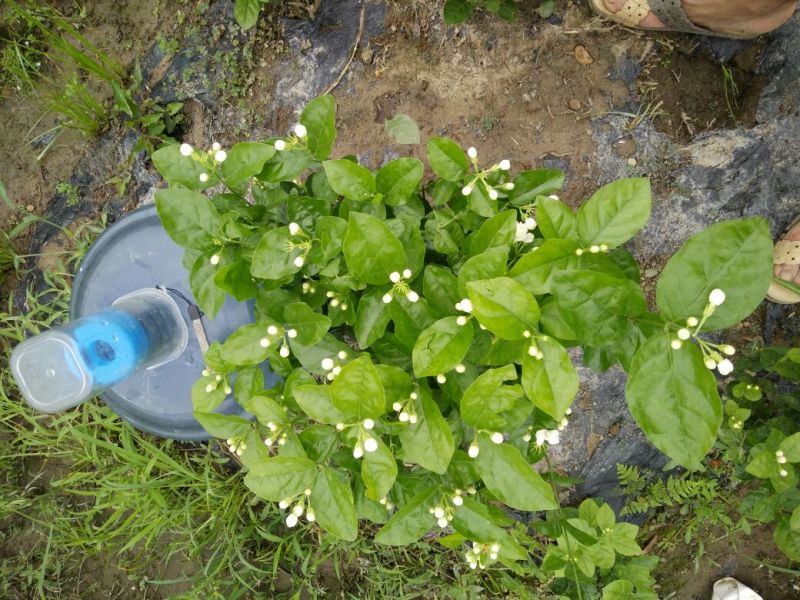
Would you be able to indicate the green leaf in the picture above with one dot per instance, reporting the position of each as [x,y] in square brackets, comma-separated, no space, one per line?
[535,270]
[333,505]
[615,213]
[319,118]
[246,13]
[249,383]
[447,159]
[457,11]
[311,326]
[244,160]
[495,232]
[428,442]
[264,408]
[281,477]
[441,347]
[440,288]
[503,306]
[182,170]
[208,296]
[311,356]
[316,402]
[735,256]
[487,398]
[349,179]
[243,347]
[530,184]
[411,522]
[371,250]
[555,219]
[378,470]
[511,479]
[272,258]
[286,165]
[787,540]
[619,589]
[223,426]
[491,263]
[551,382]
[234,277]
[597,307]
[402,129]
[474,521]
[790,446]
[358,392]
[330,232]
[188,218]
[674,399]
[372,318]
[398,180]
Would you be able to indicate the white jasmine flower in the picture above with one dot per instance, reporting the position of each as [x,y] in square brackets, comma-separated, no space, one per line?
[284,351]
[299,261]
[497,437]
[268,443]
[413,395]
[220,156]
[412,296]
[725,367]
[464,305]
[466,190]
[297,509]
[684,333]
[216,147]
[473,450]
[553,437]
[442,522]
[493,194]
[358,451]
[472,152]
[283,504]
[438,512]
[594,249]
[729,350]
[716,297]
[710,363]
[327,364]
[387,298]
[505,164]
[508,186]
[310,515]
[294,228]
[291,520]
[783,472]
[300,130]
[458,500]
[676,344]
[214,259]
[336,370]
[781,460]
[692,321]
[459,368]
[272,330]
[530,223]
[412,418]
[397,407]
[339,426]
[280,145]
[370,444]
[394,276]
[462,320]
[203,177]
[334,302]
[292,333]
[522,234]
[404,417]
[206,373]
[341,354]
[368,423]
[440,378]
[186,150]
[406,273]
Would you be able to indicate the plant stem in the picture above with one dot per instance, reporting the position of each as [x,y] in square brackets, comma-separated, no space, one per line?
[566,535]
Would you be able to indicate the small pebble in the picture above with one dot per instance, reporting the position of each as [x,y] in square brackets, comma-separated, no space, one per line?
[29,208]
[582,55]
[632,162]
[575,104]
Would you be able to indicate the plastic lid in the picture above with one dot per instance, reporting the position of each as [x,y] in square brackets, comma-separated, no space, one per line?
[50,373]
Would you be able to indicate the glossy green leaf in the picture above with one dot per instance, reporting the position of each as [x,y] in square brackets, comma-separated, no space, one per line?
[281,477]
[491,263]
[264,408]
[441,347]
[597,307]
[673,397]
[316,402]
[244,160]
[447,159]
[440,288]
[487,398]
[272,258]
[497,231]
[243,347]
[787,540]
[182,170]
[371,250]
[429,441]
[402,128]
[333,505]
[378,470]
[246,13]
[311,326]
[319,119]
[511,479]
[372,318]
[358,392]
[734,256]
[555,219]
[249,383]
[503,306]
[223,426]
[208,296]
[530,184]
[188,218]
[349,179]
[551,382]
[411,522]
[398,180]
[474,521]
[615,213]
[535,270]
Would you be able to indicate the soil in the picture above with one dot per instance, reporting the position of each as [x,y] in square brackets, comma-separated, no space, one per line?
[525,91]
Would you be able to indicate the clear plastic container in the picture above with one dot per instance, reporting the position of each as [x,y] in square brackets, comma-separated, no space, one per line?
[64,367]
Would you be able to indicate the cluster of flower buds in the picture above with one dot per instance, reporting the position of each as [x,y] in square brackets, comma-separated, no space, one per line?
[330,365]
[300,134]
[216,381]
[236,445]
[386,502]
[209,160]
[445,510]
[714,355]
[593,249]
[299,506]
[475,449]
[533,349]
[406,410]
[300,241]
[464,305]
[276,436]
[336,300]
[478,555]
[524,228]
[365,442]
[308,287]
[400,286]
[273,335]
[480,176]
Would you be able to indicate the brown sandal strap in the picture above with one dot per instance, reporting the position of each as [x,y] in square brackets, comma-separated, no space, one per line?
[787,252]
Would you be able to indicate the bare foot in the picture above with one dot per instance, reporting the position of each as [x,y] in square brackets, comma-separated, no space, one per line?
[740,18]
[789,272]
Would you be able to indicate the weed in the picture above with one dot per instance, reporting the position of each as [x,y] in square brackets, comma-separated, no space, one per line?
[70,191]
[731,90]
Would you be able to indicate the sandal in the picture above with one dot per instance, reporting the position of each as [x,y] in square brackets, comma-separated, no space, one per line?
[787,252]
[730,589]
[670,12]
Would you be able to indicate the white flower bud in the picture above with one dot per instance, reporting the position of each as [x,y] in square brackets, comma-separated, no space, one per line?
[473,450]
[298,509]
[280,145]
[710,363]
[459,368]
[413,395]
[203,177]
[283,504]
[783,472]
[508,186]
[553,437]
[493,194]
[344,306]
[440,378]
[228,389]
[779,453]
[394,276]
[526,437]
[264,342]
[473,565]
[716,297]
[326,363]
[495,548]
[505,164]
[291,520]
[412,418]
[206,373]
[472,152]
[397,407]
[209,388]
[339,426]
[725,367]
[466,190]
[466,305]
[294,228]
[335,302]
[579,252]
[268,443]
[358,451]
[530,223]
[729,350]
[271,426]
[186,150]
[461,320]
[214,260]
[541,437]
[368,423]
[299,261]
[341,354]
[292,333]
[569,411]
[412,296]
[497,437]
[387,298]
[311,515]
[403,417]
[407,273]
[438,512]
[216,147]
[676,344]
[284,351]
[684,334]
[220,156]
[781,460]
[458,500]
[300,130]
[442,522]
